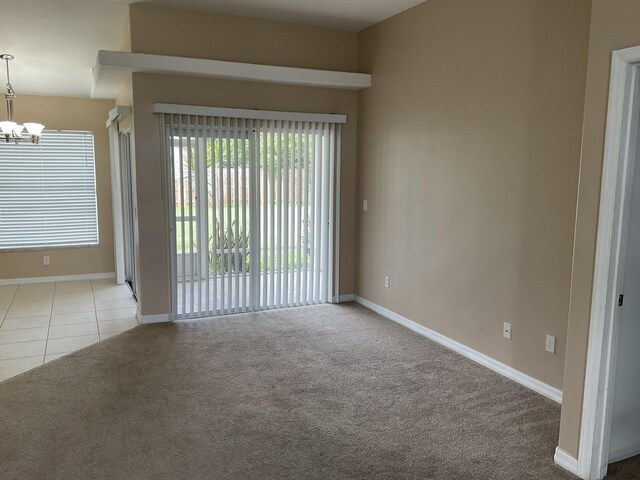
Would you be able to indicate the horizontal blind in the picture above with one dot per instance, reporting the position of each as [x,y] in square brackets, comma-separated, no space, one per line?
[48,192]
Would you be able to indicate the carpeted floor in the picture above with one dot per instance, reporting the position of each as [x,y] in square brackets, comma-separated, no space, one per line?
[328,392]
[627,470]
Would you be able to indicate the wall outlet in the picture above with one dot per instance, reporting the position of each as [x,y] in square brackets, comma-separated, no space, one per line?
[365,205]
[386,281]
[45,260]
[551,344]
[506,330]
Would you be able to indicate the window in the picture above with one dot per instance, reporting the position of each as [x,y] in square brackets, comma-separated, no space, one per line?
[48,192]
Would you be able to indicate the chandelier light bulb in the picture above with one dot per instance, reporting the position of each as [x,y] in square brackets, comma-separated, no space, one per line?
[34,129]
[7,127]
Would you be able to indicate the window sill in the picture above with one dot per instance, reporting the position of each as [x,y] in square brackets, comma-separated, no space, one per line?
[49,247]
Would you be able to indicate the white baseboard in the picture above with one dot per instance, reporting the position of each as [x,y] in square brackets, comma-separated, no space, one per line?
[159,318]
[484,360]
[349,297]
[59,278]
[617,454]
[566,461]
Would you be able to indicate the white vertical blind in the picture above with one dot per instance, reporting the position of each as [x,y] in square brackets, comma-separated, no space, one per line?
[257,231]
[48,192]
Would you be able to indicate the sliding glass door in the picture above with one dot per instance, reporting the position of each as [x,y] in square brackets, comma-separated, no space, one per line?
[252,207]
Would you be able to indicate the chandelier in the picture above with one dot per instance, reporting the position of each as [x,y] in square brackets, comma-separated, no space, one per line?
[10,130]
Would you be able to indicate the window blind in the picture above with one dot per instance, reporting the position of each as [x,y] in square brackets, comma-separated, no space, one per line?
[48,192]
[252,205]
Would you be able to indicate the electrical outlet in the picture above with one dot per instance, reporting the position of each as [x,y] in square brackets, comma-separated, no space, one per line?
[506,330]
[45,260]
[386,281]
[365,205]
[551,344]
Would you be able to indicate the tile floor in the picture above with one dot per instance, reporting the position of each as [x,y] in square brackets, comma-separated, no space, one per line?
[43,321]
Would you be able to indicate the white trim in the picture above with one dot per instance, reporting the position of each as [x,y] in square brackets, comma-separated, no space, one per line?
[116,112]
[349,297]
[484,360]
[112,69]
[134,194]
[596,408]
[116,188]
[566,461]
[158,318]
[176,109]
[617,454]
[58,278]
[116,202]
[336,255]
[170,218]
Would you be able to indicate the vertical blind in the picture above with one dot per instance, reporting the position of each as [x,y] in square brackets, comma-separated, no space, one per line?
[252,206]
[48,192]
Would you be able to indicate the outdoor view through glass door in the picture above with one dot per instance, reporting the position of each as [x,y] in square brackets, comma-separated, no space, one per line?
[252,206]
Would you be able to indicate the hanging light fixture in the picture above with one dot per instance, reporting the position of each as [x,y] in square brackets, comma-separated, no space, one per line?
[10,130]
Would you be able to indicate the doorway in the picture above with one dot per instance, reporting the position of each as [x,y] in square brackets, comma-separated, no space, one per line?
[610,427]
[624,439]
[252,210]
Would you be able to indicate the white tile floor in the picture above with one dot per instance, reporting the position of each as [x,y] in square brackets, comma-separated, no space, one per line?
[43,321]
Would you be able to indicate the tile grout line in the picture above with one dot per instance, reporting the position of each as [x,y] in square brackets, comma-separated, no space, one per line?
[19,358]
[95,311]
[9,307]
[23,341]
[41,326]
[73,323]
[46,343]
[49,338]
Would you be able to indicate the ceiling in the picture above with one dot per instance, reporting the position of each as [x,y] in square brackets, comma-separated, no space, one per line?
[352,15]
[55,42]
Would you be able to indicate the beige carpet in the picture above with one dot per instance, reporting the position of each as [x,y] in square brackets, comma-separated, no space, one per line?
[328,392]
[627,470]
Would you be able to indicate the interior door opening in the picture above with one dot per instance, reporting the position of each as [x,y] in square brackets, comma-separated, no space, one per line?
[624,438]
[252,205]
[604,411]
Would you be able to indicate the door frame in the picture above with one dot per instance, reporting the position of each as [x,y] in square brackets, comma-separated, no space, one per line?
[116,199]
[168,174]
[617,177]
[129,220]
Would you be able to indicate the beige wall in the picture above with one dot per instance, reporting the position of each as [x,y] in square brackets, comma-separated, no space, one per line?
[126,42]
[614,25]
[201,35]
[58,113]
[125,95]
[166,31]
[468,152]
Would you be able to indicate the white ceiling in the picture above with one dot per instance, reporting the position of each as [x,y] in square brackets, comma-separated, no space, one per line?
[55,42]
[353,15]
